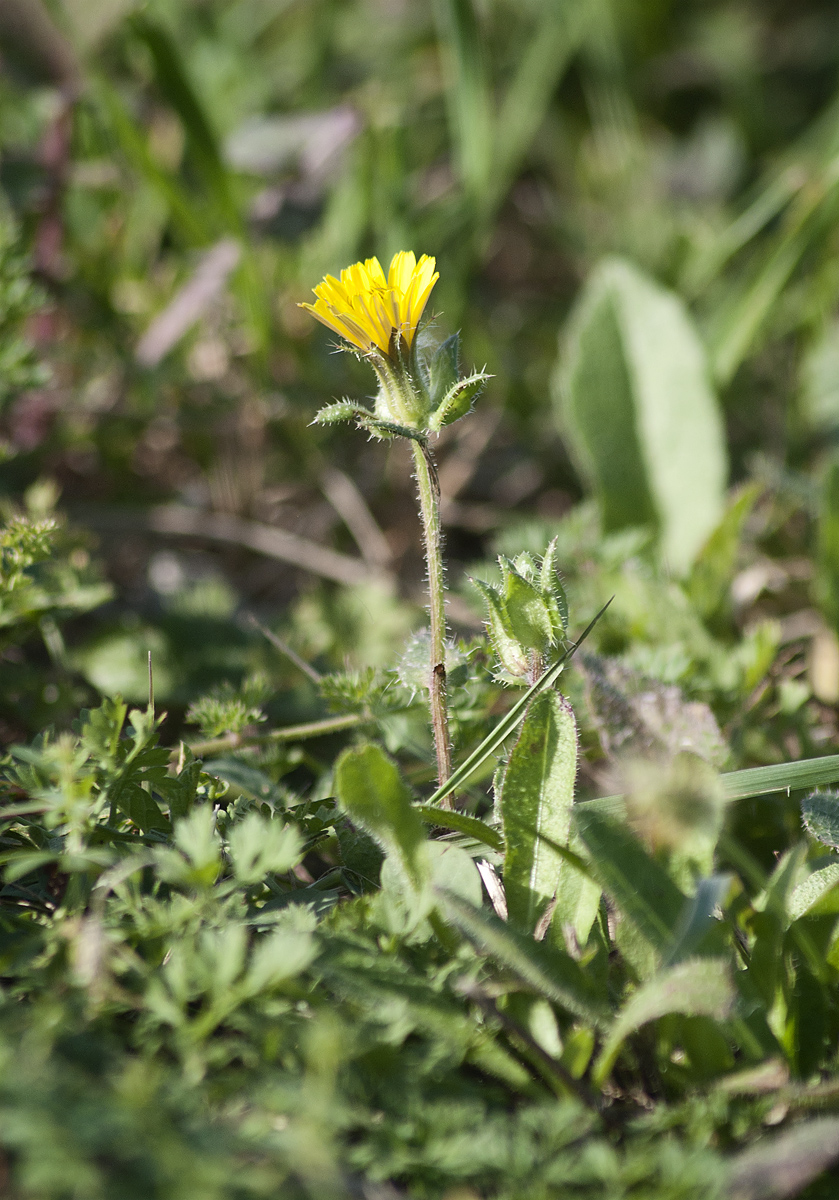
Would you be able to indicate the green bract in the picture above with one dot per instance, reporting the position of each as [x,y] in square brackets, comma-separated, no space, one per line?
[527,613]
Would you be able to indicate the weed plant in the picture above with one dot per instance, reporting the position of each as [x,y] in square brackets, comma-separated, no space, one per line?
[299,896]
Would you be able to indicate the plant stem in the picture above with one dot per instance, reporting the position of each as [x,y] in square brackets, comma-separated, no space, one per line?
[429,497]
[291,733]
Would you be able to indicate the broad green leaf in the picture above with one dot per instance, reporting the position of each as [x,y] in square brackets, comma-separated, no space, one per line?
[536,800]
[373,794]
[452,869]
[577,895]
[699,987]
[642,889]
[552,975]
[639,411]
[699,916]
[139,806]
[820,814]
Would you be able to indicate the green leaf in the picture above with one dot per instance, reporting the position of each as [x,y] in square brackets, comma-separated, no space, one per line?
[754,781]
[783,1166]
[197,839]
[139,806]
[697,988]
[642,889]
[528,618]
[279,956]
[552,975]
[713,570]
[699,916]
[507,724]
[536,800]
[639,412]
[820,814]
[827,556]
[509,651]
[458,400]
[373,794]
[551,585]
[550,49]
[259,847]
[171,77]
[472,827]
[817,894]
[468,93]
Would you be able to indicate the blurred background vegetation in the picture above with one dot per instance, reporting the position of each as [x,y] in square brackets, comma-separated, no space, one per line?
[177,175]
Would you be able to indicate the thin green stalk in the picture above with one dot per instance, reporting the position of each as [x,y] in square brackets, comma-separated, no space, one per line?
[290,733]
[429,497]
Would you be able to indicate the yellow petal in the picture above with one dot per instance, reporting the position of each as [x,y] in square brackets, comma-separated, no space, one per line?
[365,308]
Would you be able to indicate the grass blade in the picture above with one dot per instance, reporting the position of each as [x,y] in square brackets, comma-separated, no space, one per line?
[468,96]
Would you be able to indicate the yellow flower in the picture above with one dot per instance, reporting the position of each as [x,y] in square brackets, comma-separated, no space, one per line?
[365,308]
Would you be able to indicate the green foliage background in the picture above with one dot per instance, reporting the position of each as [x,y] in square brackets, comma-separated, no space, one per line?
[241,954]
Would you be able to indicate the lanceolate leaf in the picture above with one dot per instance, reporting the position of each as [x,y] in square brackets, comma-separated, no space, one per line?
[639,411]
[697,988]
[554,976]
[642,889]
[536,799]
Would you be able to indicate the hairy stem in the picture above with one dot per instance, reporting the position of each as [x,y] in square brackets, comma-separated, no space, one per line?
[429,497]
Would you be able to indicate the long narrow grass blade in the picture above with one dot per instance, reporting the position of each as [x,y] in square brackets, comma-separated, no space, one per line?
[757,781]
[762,781]
[468,95]
[506,726]
[546,58]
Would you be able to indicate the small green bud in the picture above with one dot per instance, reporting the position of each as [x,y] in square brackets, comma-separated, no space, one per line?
[512,656]
[335,414]
[443,370]
[458,400]
[527,615]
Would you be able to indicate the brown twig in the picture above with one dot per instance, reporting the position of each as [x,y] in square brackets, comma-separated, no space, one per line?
[351,507]
[180,521]
[292,656]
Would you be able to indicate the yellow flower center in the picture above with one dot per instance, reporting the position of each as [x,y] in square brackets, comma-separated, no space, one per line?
[365,309]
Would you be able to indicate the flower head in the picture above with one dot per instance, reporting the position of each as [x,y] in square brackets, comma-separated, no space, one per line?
[367,309]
